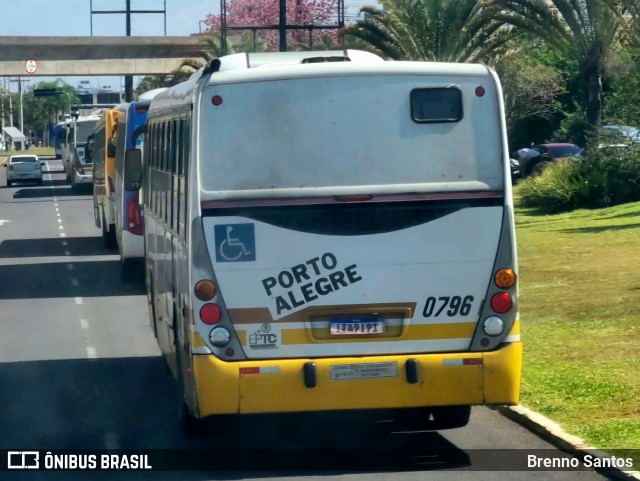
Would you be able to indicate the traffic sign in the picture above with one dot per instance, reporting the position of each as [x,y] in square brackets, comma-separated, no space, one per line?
[31,66]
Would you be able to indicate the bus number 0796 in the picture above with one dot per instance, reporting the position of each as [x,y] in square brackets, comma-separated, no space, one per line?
[454,305]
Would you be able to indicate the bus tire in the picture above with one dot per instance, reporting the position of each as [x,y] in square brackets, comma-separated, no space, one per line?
[108,234]
[191,426]
[128,270]
[152,310]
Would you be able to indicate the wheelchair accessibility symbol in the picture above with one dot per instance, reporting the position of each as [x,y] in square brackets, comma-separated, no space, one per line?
[235,242]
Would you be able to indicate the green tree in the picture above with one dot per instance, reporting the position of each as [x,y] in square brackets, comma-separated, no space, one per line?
[531,91]
[41,111]
[583,30]
[432,30]
[212,50]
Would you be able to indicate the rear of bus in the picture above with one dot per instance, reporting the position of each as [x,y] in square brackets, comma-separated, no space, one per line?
[103,170]
[81,167]
[356,247]
[128,211]
[58,138]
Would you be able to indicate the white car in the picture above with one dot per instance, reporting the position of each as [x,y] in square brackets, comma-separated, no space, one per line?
[21,168]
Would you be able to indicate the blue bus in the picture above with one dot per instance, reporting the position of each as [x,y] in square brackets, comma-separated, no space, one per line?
[130,129]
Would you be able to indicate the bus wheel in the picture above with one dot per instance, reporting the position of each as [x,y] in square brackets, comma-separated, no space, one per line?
[191,426]
[128,270]
[152,311]
[108,234]
[450,417]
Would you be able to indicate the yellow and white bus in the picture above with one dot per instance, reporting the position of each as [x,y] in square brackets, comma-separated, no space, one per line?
[330,231]
[104,161]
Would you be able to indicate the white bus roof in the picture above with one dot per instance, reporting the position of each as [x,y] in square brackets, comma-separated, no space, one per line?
[234,68]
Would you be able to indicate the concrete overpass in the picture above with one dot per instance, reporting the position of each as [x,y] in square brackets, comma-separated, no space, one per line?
[85,56]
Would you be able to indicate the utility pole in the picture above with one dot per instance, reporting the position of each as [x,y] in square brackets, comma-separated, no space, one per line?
[128,79]
[282,25]
[2,128]
[20,80]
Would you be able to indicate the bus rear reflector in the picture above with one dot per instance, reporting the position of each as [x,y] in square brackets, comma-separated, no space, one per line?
[205,290]
[501,302]
[210,313]
[505,278]
[219,337]
[493,326]
[135,218]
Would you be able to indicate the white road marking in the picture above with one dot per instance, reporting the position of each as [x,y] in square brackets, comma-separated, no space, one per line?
[91,352]
[74,282]
[60,221]
[57,213]
[84,324]
[79,301]
[62,234]
[65,243]
[70,267]
[3,221]
[67,253]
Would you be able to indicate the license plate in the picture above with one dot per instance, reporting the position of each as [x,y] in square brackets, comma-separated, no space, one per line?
[367,370]
[356,326]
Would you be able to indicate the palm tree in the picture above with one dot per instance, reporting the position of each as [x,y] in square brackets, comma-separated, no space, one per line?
[244,43]
[191,65]
[432,30]
[583,30]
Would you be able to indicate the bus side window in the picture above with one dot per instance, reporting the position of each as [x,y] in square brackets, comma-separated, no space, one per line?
[163,167]
[166,185]
[186,163]
[175,148]
[154,171]
[149,173]
[176,175]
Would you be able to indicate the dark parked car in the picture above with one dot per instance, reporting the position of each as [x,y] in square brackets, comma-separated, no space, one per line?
[534,159]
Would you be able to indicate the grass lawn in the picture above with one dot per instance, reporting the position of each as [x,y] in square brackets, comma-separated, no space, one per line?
[43,151]
[580,312]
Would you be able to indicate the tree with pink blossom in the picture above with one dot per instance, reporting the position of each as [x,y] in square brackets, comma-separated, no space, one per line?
[267,13]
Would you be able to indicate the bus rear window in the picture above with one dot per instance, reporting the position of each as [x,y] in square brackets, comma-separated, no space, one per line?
[433,105]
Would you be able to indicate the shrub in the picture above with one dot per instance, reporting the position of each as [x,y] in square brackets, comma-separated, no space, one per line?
[606,176]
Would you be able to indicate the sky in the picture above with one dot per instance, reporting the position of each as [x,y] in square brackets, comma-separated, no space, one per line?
[71,17]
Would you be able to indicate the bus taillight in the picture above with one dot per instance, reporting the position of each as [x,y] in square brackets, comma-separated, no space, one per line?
[210,313]
[205,290]
[501,302]
[135,219]
[505,278]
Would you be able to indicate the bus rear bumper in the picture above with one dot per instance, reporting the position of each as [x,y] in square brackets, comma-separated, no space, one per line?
[468,378]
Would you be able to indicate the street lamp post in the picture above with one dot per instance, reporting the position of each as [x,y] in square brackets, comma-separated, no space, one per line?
[68,98]
[20,80]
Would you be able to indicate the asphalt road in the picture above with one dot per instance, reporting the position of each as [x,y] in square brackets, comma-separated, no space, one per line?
[79,369]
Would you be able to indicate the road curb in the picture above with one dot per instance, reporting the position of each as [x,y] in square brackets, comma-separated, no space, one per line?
[553,433]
